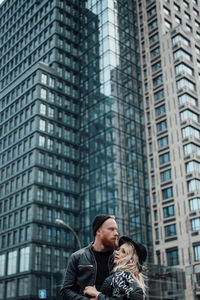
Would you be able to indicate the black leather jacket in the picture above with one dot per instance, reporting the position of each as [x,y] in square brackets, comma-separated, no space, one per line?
[81,272]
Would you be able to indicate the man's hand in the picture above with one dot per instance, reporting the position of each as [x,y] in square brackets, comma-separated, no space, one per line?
[91,291]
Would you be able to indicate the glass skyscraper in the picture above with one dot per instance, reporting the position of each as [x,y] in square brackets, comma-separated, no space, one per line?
[72,135]
[113,153]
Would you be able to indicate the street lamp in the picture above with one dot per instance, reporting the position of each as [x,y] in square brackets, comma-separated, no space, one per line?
[71,229]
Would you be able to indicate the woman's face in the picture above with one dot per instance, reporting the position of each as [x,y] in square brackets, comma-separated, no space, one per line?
[120,253]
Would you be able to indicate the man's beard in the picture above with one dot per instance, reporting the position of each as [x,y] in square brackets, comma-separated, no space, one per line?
[110,244]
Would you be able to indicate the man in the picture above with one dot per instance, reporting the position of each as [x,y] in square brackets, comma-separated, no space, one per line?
[92,264]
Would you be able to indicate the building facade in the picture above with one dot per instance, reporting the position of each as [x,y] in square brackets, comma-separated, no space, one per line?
[72,135]
[170,51]
[113,162]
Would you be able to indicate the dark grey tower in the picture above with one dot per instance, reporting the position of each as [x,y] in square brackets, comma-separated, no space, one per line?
[72,137]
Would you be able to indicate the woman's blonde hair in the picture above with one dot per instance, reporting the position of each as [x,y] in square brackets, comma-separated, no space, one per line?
[131,264]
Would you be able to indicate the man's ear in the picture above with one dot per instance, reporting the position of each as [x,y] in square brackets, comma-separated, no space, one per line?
[98,232]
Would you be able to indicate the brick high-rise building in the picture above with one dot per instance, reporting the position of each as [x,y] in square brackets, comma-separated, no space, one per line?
[170,60]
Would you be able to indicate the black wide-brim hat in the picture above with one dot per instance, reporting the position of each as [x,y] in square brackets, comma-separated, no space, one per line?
[140,249]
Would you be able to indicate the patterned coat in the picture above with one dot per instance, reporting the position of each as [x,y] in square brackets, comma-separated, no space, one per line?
[121,285]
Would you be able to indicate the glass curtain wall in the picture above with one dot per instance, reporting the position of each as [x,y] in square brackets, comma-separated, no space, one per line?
[113,161]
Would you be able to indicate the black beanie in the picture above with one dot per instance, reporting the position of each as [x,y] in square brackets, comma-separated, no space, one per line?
[98,221]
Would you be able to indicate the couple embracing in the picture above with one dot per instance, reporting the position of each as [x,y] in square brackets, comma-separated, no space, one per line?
[97,273]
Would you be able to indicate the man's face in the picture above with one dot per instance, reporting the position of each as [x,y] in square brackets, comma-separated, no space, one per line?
[108,234]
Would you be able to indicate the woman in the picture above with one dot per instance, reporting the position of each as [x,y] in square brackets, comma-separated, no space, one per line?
[127,281]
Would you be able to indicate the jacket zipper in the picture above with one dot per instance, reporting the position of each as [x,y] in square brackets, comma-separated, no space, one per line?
[95,266]
[109,262]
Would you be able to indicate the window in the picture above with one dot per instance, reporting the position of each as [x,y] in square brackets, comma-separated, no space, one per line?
[196,252]
[193,185]
[185,3]
[166,175]
[51,112]
[154,197]
[43,94]
[12,262]
[157,234]
[166,11]
[42,109]
[50,161]
[44,78]
[172,257]
[196,224]
[23,286]
[191,148]
[183,68]
[156,66]
[154,38]
[194,2]
[48,259]
[168,24]
[24,259]
[49,234]
[41,141]
[182,53]
[1,290]
[57,260]
[196,13]
[188,28]
[178,20]
[168,211]
[197,24]
[162,142]
[153,179]
[57,236]
[160,110]
[193,166]
[40,176]
[50,144]
[159,95]
[157,80]
[42,125]
[41,158]
[187,98]
[155,52]
[151,12]
[51,97]
[194,204]
[190,131]
[152,25]
[40,232]
[170,230]
[38,258]
[2,264]
[176,7]
[50,128]
[161,125]
[10,289]
[58,198]
[39,212]
[50,197]
[164,158]
[187,16]
[184,82]
[50,178]
[188,114]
